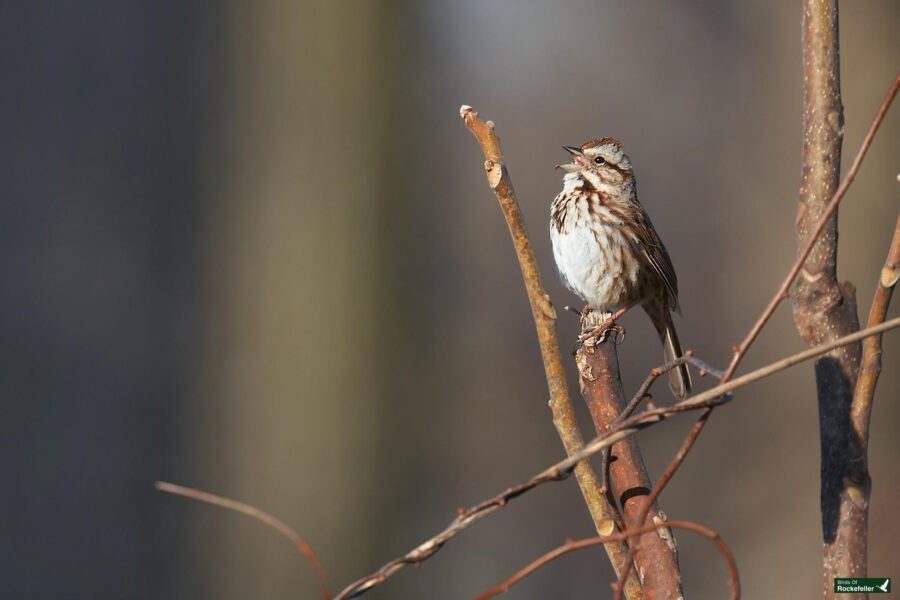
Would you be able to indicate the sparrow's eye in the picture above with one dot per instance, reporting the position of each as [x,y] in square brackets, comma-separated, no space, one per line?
[599,160]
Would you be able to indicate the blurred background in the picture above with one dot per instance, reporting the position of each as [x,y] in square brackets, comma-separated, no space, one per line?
[250,248]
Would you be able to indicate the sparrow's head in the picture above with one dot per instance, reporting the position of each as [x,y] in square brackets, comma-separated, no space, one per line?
[603,156]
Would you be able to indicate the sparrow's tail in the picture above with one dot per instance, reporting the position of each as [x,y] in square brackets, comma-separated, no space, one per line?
[680,376]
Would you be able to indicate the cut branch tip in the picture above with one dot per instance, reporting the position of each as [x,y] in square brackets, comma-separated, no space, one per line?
[890,275]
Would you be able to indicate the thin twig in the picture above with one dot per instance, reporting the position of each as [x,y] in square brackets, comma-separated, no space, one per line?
[602,511]
[780,295]
[857,483]
[712,397]
[572,545]
[263,517]
[870,368]
[643,391]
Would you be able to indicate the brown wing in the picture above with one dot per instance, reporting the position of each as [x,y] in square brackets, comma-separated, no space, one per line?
[658,257]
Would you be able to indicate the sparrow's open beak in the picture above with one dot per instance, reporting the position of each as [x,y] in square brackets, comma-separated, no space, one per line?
[573,167]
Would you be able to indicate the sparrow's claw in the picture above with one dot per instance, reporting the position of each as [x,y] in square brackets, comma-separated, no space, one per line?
[597,333]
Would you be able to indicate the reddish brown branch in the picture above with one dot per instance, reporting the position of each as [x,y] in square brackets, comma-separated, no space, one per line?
[602,512]
[572,545]
[263,517]
[655,557]
[686,446]
[712,397]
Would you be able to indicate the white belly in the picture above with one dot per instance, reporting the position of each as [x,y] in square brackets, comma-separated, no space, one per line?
[593,267]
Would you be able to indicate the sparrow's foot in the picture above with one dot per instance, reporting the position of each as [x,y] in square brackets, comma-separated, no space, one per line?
[597,335]
[597,325]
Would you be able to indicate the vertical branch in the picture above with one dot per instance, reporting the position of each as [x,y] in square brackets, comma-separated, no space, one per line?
[825,309]
[858,480]
[603,513]
[871,361]
[655,555]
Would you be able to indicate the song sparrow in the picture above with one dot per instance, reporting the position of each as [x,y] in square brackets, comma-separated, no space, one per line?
[606,249]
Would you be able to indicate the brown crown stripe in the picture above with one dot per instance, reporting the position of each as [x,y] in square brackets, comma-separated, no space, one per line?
[602,142]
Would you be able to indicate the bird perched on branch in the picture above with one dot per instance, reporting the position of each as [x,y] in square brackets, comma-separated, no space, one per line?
[606,249]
